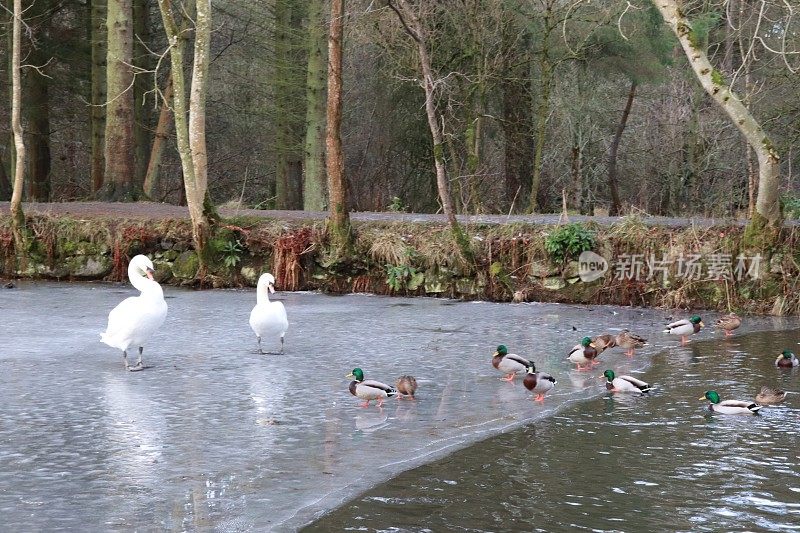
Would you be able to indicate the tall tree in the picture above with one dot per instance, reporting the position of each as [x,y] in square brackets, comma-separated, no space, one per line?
[98,36]
[37,104]
[767,217]
[119,141]
[17,215]
[162,133]
[142,59]
[339,216]
[314,186]
[616,205]
[191,134]
[413,26]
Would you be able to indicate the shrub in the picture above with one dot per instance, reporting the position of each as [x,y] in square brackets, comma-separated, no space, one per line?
[791,206]
[569,241]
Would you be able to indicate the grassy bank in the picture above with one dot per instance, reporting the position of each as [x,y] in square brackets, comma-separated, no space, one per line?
[513,262]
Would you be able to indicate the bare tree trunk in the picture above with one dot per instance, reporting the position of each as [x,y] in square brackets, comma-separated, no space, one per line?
[414,28]
[314,186]
[191,135]
[767,218]
[616,205]
[142,84]
[339,216]
[98,35]
[5,185]
[119,143]
[37,111]
[17,216]
[161,135]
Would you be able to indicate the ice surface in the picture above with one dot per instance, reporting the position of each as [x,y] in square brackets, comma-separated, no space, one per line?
[215,436]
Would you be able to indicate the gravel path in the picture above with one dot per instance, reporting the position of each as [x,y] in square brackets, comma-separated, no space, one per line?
[152,210]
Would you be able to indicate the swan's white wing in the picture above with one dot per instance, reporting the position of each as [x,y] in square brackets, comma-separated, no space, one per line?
[269,319]
[133,321]
[119,328]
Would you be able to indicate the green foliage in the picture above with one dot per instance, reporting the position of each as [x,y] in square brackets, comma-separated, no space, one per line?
[399,277]
[701,27]
[397,205]
[717,77]
[791,206]
[231,253]
[569,241]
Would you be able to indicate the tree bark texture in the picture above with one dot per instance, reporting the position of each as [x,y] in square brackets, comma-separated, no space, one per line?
[143,83]
[339,216]
[616,205]
[314,185]
[119,142]
[712,80]
[98,36]
[17,215]
[163,128]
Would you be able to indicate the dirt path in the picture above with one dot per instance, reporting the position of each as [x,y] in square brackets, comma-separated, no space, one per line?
[152,210]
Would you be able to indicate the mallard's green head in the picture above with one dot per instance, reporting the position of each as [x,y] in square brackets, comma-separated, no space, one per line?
[787,354]
[696,320]
[586,341]
[501,350]
[357,374]
[609,375]
[711,395]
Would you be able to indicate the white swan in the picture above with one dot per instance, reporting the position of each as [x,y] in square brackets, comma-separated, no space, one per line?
[268,319]
[135,319]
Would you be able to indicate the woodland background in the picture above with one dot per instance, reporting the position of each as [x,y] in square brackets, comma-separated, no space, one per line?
[586,100]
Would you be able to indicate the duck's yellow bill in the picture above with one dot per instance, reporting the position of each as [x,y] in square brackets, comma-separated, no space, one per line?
[593,345]
[495,354]
[702,397]
[350,375]
[702,325]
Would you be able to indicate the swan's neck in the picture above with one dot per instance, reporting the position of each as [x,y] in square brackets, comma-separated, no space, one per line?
[146,286]
[262,293]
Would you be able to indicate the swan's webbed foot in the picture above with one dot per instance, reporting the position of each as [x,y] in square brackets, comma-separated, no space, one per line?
[281,352]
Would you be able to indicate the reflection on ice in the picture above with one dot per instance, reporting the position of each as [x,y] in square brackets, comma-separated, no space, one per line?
[215,436]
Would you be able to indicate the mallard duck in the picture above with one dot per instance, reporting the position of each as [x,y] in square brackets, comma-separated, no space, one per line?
[684,327]
[538,383]
[616,383]
[770,396]
[510,363]
[369,389]
[584,354]
[728,323]
[406,386]
[729,407]
[630,341]
[786,360]
[604,342]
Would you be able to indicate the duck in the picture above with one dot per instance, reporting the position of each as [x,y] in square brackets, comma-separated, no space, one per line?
[134,320]
[629,341]
[728,323]
[604,342]
[584,354]
[770,396]
[268,319]
[616,383]
[685,327]
[369,389]
[538,383]
[786,359]
[729,407]
[406,386]
[509,363]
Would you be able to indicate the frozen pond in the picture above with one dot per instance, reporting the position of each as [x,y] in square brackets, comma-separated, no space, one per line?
[215,436]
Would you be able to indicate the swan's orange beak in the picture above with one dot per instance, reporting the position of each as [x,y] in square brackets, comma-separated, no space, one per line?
[271,288]
[149,273]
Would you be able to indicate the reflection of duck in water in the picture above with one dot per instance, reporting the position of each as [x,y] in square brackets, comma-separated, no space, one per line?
[786,360]
[584,354]
[728,323]
[685,327]
[729,407]
[770,396]
[369,389]
[406,386]
[509,363]
[371,421]
[616,383]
